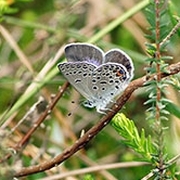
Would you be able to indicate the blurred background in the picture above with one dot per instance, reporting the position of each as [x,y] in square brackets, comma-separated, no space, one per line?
[33,33]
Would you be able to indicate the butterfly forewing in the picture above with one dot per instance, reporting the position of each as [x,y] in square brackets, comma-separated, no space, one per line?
[78,52]
[78,75]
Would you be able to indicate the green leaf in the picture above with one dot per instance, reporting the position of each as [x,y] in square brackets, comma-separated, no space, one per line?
[173,109]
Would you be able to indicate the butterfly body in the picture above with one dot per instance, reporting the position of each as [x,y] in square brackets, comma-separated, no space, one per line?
[97,76]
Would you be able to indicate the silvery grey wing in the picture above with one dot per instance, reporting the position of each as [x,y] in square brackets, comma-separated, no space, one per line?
[107,81]
[78,75]
[120,57]
[78,52]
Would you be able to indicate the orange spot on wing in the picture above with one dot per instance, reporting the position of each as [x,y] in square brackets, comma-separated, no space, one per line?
[118,73]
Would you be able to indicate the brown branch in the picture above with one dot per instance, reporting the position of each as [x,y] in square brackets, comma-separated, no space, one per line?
[28,135]
[80,143]
[42,117]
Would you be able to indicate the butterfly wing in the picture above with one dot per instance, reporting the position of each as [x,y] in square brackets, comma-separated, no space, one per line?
[106,82]
[78,52]
[97,76]
[78,75]
[120,57]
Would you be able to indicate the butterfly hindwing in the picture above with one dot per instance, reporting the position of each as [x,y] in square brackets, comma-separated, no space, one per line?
[120,57]
[107,80]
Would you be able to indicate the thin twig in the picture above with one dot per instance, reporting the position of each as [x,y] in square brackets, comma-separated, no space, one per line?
[96,168]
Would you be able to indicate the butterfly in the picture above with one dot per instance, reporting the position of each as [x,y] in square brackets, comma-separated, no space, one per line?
[99,77]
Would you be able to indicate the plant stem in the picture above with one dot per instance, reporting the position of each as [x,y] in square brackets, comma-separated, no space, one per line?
[158,89]
[158,56]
